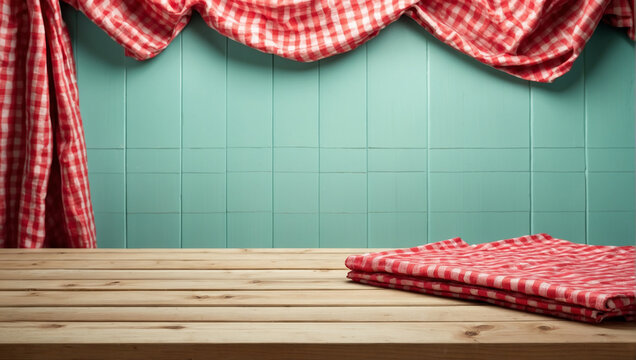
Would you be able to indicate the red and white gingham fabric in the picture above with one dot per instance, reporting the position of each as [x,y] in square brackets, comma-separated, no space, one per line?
[44,196]
[536,40]
[535,273]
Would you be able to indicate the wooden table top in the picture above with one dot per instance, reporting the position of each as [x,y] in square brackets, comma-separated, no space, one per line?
[259,303]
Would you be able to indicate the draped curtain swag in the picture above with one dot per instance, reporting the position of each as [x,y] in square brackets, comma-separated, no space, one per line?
[44,193]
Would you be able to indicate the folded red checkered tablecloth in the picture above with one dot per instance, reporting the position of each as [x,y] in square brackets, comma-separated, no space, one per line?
[535,273]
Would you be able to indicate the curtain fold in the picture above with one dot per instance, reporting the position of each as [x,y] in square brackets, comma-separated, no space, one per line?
[536,40]
[44,192]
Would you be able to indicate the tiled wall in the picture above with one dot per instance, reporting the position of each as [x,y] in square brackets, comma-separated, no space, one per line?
[400,142]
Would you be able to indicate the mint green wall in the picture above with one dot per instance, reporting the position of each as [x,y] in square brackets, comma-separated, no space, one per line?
[400,142]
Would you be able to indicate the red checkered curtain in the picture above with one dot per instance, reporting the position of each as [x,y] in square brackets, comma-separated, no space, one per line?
[535,40]
[44,197]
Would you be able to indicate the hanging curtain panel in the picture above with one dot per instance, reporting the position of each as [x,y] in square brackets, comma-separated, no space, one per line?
[536,40]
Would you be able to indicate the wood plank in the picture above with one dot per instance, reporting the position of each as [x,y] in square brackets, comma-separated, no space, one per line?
[225,298]
[105,274]
[135,255]
[219,284]
[534,332]
[266,264]
[351,351]
[278,314]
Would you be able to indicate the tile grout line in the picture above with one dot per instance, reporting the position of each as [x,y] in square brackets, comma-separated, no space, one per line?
[531,153]
[181,144]
[585,153]
[428,141]
[272,147]
[125,153]
[319,239]
[366,115]
[370,148]
[227,50]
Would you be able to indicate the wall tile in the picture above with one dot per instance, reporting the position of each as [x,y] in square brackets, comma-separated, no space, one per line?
[611,228]
[296,192]
[460,160]
[249,230]
[295,102]
[154,230]
[249,192]
[203,230]
[563,225]
[247,159]
[343,230]
[296,159]
[609,93]
[108,192]
[478,227]
[397,192]
[343,100]
[558,160]
[204,72]
[105,160]
[343,160]
[397,230]
[204,160]
[249,96]
[558,192]
[479,192]
[611,159]
[558,110]
[111,229]
[611,191]
[472,105]
[153,161]
[397,118]
[203,193]
[153,193]
[343,193]
[153,100]
[296,231]
[101,77]
[397,159]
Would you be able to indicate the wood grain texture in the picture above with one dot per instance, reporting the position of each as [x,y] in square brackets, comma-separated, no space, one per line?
[252,256]
[302,333]
[265,264]
[107,274]
[339,283]
[275,314]
[136,252]
[222,298]
[60,304]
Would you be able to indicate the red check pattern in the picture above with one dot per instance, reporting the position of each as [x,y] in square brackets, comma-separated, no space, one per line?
[535,40]
[44,195]
[535,273]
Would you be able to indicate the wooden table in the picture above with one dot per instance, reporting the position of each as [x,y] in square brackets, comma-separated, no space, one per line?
[258,304]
